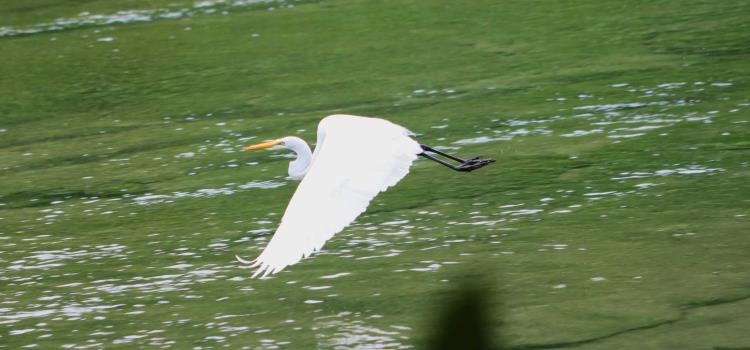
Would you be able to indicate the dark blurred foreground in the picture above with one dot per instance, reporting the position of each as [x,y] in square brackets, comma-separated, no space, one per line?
[466,319]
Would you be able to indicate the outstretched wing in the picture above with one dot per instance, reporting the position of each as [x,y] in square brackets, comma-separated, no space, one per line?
[355,159]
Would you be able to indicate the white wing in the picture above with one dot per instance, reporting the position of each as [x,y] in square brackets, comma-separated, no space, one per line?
[355,159]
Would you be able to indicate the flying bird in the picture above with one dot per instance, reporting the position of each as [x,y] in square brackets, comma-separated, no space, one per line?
[355,158]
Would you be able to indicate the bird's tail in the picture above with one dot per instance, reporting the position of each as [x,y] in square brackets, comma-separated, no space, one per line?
[262,271]
[252,263]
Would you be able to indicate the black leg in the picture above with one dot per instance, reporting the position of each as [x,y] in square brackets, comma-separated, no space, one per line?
[430,149]
[437,160]
[466,164]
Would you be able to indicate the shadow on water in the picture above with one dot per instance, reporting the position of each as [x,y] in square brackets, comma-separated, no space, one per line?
[467,319]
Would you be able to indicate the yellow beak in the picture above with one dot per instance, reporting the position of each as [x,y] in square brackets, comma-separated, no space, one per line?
[264,145]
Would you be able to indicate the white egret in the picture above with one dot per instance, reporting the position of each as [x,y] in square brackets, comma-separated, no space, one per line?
[355,159]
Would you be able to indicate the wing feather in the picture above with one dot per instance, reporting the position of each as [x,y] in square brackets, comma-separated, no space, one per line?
[355,159]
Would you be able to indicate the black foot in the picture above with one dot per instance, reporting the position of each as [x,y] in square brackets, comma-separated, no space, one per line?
[464,164]
[474,164]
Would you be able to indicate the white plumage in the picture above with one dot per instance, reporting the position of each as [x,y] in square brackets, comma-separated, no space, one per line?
[355,159]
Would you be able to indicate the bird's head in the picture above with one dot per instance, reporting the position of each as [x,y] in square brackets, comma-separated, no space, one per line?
[297,167]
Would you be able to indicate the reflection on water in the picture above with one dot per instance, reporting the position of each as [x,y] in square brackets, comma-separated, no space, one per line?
[349,330]
[604,118]
[205,7]
[149,199]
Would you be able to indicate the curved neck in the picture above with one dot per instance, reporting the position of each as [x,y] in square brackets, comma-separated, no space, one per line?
[298,167]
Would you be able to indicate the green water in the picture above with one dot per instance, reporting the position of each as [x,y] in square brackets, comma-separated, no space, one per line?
[616,216]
